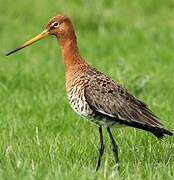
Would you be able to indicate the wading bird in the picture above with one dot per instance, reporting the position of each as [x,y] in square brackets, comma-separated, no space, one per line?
[95,96]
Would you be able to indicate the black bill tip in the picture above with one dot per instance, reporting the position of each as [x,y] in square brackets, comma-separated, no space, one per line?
[11,52]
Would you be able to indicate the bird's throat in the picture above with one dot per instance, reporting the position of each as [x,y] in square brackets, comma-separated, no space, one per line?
[70,52]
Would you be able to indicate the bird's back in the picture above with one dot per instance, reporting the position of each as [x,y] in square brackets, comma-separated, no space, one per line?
[98,98]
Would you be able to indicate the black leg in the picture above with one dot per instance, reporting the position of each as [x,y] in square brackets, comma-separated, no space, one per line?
[114,145]
[101,148]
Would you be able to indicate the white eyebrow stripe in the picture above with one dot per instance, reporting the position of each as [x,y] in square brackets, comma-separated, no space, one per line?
[54,23]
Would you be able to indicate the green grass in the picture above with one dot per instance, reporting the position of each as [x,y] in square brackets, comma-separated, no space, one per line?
[40,136]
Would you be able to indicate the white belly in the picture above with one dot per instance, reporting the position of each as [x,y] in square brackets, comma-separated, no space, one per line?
[78,102]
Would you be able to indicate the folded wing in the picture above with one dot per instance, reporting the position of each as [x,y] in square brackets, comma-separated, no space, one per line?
[112,101]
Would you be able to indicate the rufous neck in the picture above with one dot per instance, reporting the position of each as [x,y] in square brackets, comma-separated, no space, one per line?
[70,52]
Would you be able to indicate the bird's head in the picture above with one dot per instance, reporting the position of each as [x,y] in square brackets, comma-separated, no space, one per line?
[60,26]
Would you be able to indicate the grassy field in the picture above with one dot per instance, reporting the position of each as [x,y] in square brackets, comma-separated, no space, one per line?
[40,136]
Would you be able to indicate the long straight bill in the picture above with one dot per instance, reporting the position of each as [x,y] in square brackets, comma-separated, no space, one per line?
[35,39]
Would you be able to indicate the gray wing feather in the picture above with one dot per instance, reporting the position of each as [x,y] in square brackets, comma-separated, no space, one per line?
[111,99]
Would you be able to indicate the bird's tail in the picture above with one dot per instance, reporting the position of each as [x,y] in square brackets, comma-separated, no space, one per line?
[161,132]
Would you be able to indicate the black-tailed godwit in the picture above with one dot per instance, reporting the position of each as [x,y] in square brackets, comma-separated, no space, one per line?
[95,96]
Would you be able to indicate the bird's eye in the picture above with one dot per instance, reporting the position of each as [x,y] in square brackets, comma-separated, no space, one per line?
[55,24]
